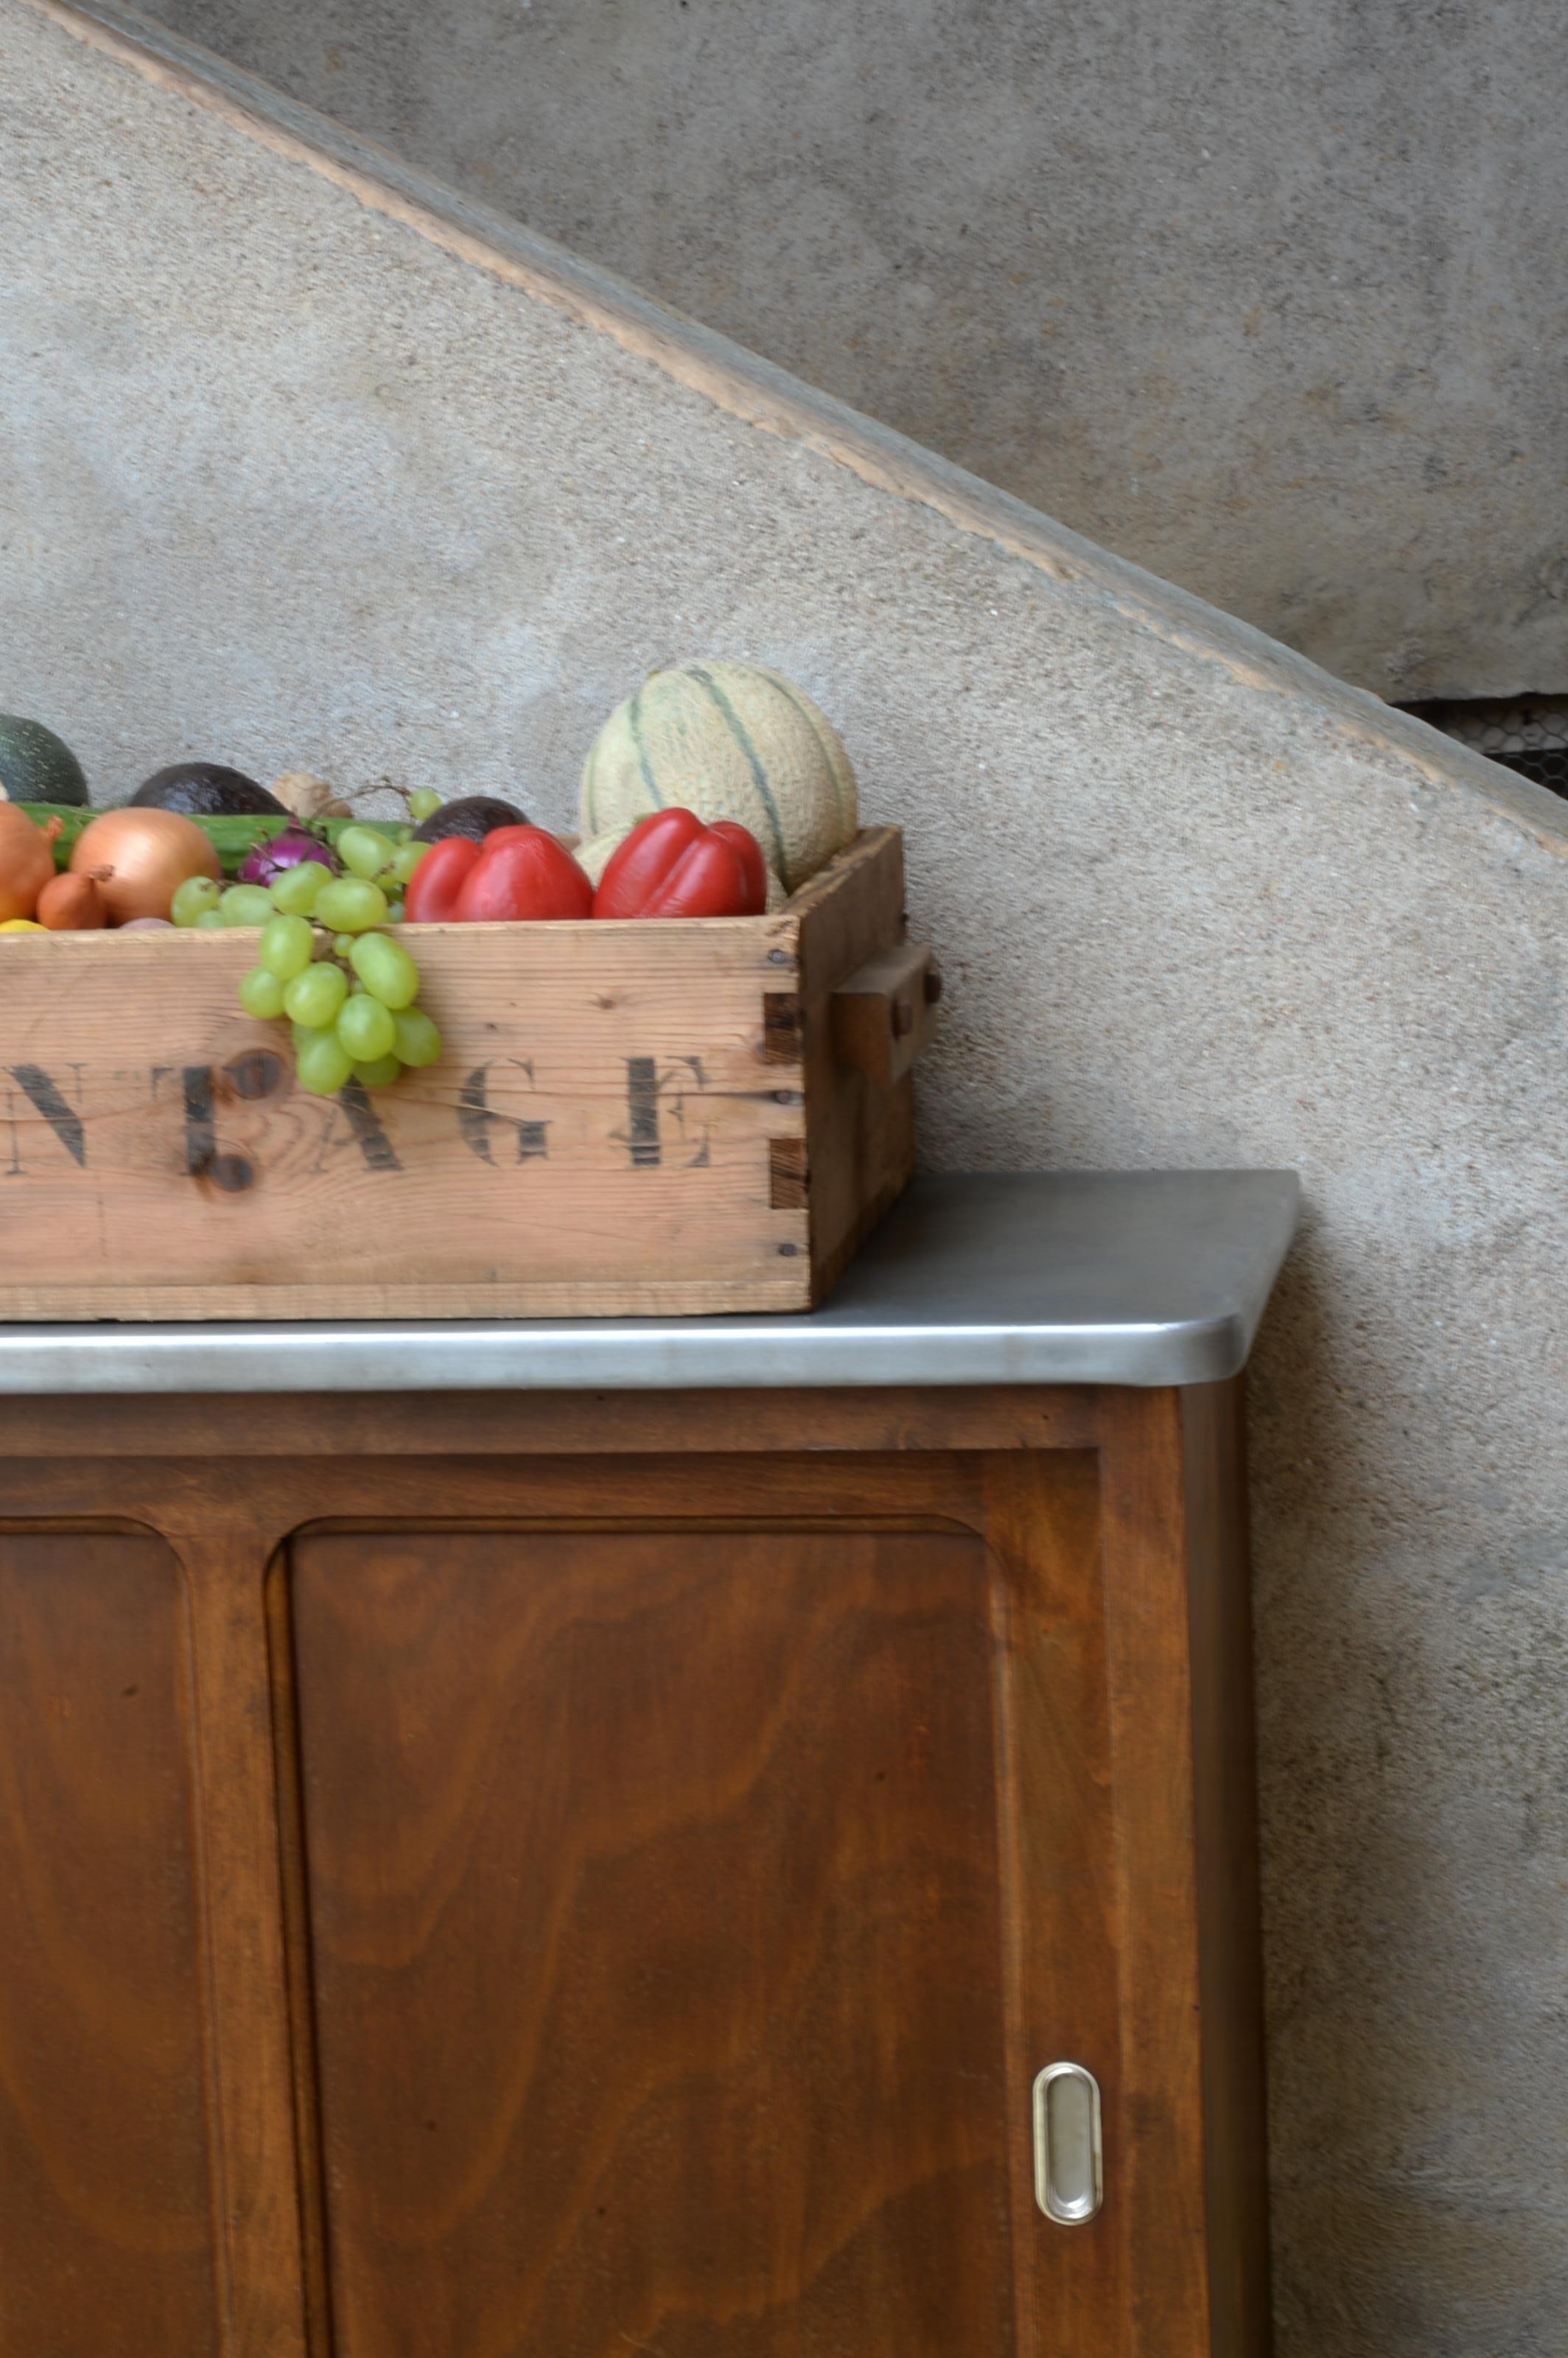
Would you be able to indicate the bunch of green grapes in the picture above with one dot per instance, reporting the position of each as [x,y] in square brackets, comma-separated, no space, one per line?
[349,989]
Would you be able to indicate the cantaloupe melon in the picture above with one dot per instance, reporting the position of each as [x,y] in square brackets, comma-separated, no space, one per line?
[593,857]
[727,741]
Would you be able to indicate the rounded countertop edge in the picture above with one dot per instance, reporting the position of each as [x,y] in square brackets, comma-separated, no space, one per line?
[61,1362]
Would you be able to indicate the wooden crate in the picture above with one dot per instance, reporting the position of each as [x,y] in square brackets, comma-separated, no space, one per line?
[628,1119]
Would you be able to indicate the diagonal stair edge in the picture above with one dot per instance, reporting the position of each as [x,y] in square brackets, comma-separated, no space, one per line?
[759,392]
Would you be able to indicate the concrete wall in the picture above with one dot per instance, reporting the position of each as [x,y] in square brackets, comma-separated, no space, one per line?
[288,481]
[1271,300]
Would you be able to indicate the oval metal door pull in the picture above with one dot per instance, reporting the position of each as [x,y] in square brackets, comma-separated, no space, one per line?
[1069,2184]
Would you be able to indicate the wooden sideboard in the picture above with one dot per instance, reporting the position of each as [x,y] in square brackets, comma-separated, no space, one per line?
[553,1874]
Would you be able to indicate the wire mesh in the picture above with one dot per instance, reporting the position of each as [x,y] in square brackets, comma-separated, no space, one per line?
[1527,733]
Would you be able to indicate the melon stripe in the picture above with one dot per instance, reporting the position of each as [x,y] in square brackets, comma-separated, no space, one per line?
[643,763]
[758,775]
[834,758]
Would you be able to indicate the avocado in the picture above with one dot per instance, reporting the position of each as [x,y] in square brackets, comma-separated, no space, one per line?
[204,790]
[475,815]
[36,766]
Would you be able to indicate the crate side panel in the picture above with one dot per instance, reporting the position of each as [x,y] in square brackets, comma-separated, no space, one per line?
[860,1138]
[601,1127]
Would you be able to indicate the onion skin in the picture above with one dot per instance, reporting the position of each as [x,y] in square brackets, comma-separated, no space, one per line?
[26,861]
[139,857]
[71,904]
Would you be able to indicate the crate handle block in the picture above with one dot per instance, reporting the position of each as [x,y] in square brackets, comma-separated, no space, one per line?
[884,1013]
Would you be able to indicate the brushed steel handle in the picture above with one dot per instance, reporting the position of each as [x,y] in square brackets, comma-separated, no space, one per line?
[1069,2174]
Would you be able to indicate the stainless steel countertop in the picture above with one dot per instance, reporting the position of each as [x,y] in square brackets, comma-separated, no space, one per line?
[1123,1277]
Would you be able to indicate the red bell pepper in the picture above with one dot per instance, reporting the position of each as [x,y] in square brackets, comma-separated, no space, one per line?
[671,865]
[522,872]
[433,888]
[753,867]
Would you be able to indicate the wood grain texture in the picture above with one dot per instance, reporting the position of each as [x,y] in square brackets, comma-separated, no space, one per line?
[1229,1918]
[884,1014]
[297,1947]
[1164,2138]
[224,1541]
[567,1783]
[107,2232]
[653,1895]
[597,1137]
[1056,1801]
[860,1136]
[654,1492]
[343,1427]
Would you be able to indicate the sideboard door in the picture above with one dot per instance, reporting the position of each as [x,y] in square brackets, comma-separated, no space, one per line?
[107,2232]
[662,1995]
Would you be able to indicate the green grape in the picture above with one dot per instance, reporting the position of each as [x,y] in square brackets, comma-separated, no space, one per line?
[418,1042]
[295,890]
[423,804]
[379,1074]
[303,1031]
[386,970]
[362,850]
[261,993]
[322,1065]
[246,904]
[315,996]
[191,898]
[210,920]
[394,913]
[405,859]
[342,944]
[366,1029]
[287,946]
[351,904]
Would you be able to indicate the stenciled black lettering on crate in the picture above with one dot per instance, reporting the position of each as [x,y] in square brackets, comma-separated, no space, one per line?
[657,1093]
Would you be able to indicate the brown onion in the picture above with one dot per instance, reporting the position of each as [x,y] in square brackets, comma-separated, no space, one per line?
[71,904]
[140,857]
[27,859]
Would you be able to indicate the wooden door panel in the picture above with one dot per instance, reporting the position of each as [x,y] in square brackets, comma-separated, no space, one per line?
[105,2230]
[653,1894]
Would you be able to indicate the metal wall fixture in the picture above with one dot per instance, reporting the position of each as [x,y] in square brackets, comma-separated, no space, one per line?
[1069,2172]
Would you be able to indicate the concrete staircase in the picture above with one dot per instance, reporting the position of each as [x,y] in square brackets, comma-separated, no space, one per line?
[306,462]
